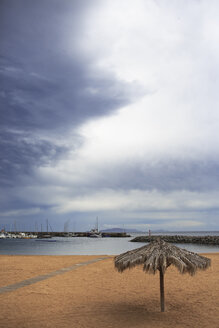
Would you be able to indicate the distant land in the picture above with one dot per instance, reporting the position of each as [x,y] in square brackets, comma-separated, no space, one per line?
[121,230]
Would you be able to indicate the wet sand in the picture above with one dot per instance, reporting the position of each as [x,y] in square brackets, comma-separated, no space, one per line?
[96,295]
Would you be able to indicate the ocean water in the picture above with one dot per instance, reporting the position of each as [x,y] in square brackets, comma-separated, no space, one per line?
[89,246]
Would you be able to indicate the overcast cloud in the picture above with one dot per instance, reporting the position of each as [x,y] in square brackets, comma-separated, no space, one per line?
[109,109]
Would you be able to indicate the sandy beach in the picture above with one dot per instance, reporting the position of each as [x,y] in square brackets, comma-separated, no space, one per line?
[96,295]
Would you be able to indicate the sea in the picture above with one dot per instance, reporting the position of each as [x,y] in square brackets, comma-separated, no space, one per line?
[93,246]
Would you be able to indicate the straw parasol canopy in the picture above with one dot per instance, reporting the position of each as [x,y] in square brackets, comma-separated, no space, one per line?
[158,255]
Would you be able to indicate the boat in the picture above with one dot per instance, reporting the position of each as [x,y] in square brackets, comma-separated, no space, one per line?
[94,233]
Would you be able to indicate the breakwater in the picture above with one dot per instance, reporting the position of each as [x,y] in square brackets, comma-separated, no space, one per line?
[203,240]
[80,234]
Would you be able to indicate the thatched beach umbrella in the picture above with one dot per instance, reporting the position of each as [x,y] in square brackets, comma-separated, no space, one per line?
[158,255]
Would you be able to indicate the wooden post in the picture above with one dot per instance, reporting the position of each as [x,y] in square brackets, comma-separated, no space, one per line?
[162,307]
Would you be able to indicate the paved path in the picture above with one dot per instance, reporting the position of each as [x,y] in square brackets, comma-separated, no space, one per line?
[31,281]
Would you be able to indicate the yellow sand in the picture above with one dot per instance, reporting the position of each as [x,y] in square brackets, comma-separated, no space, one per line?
[98,296]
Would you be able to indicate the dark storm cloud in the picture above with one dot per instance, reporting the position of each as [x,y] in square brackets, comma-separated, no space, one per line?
[20,153]
[57,100]
[44,88]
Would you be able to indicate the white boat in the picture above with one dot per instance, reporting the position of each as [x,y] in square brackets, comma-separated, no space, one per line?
[94,233]
[32,236]
[2,235]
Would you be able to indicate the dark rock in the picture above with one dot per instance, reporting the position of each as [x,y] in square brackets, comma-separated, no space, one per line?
[204,240]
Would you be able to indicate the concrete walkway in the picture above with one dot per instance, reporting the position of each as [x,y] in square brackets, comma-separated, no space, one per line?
[27,282]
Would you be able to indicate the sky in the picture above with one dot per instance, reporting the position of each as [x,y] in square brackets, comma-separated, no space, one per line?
[110,109]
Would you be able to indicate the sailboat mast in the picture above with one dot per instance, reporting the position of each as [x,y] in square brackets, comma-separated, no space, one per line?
[97,225]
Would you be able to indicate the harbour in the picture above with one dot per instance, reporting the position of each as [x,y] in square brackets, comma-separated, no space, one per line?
[57,245]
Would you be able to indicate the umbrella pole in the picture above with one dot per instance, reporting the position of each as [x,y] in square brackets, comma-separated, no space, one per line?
[162,291]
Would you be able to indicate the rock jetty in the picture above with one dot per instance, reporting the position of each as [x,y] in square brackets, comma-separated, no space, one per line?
[204,240]
[80,234]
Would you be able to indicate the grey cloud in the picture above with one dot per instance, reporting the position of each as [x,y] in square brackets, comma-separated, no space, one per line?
[44,90]
[164,175]
[44,101]
[19,155]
